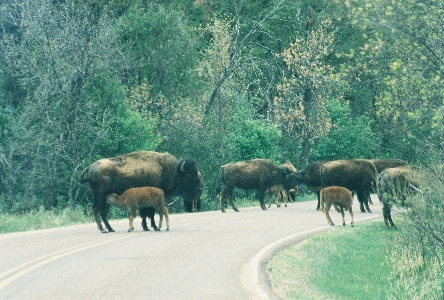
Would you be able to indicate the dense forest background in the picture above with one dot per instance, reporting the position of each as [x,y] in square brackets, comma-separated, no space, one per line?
[216,81]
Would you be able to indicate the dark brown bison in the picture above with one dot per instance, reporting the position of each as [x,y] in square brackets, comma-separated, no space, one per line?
[311,177]
[256,174]
[358,175]
[138,169]
[196,204]
[394,186]
[385,163]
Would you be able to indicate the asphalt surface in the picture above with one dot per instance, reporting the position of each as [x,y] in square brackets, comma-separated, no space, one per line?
[209,255]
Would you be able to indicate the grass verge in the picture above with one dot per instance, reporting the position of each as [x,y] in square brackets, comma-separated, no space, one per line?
[346,263]
[42,219]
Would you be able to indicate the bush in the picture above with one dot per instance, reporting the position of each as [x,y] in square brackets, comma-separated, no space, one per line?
[349,137]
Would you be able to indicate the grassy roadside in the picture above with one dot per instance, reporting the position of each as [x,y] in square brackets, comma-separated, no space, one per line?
[42,219]
[346,263]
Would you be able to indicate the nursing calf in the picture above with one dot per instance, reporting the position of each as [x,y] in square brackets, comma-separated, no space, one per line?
[138,198]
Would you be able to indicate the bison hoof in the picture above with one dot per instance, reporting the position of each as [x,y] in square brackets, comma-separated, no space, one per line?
[130,229]
[156,229]
[369,211]
[146,229]
[264,208]
[332,224]
[104,231]
[167,229]
[111,230]
[236,210]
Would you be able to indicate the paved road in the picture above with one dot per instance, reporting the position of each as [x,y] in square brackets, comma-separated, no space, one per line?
[204,256]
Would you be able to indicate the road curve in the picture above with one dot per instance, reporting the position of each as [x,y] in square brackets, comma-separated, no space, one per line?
[207,255]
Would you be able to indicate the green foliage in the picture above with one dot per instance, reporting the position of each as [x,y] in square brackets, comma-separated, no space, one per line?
[248,139]
[349,137]
[130,131]
[416,251]
[162,47]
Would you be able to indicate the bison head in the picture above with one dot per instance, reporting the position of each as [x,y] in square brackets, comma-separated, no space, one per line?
[188,180]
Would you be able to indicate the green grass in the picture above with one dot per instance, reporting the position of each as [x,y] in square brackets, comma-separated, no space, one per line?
[42,219]
[346,263]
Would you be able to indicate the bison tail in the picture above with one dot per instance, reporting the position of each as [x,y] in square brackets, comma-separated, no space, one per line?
[84,179]
[221,173]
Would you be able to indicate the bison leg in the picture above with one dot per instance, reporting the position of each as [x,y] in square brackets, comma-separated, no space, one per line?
[363,201]
[96,208]
[97,218]
[327,215]
[131,216]
[318,193]
[261,198]
[148,212]
[227,193]
[188,206]
[103,214]
[269,195]
[350,209]
[343,215]
[167,218]
[278,199]
[386,212]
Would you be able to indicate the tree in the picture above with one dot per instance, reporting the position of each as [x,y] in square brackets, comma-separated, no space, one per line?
[404,53]
[349,137]
[66,61]
[299,106]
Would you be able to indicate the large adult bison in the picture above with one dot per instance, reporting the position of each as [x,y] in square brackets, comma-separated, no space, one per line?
[256,174]
[311,177]
[137,169]
[358,175]
[394,186]
[384,163]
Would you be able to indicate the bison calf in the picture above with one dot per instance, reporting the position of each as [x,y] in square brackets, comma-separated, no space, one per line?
[142,197]
[341,198]
[287,195]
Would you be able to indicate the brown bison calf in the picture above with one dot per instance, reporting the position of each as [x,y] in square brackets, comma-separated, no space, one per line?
[142,197]
[341,198]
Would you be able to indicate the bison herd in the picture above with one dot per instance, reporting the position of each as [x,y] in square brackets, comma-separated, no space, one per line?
[140,181]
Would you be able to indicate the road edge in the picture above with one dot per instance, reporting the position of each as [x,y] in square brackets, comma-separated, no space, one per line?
[260,284]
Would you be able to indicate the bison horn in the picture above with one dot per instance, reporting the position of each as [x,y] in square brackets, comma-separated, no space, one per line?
[181,167]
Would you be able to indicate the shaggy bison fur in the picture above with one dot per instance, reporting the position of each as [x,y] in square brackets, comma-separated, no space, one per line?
[394,186]
[385,163]
[256,174]
[138,169]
